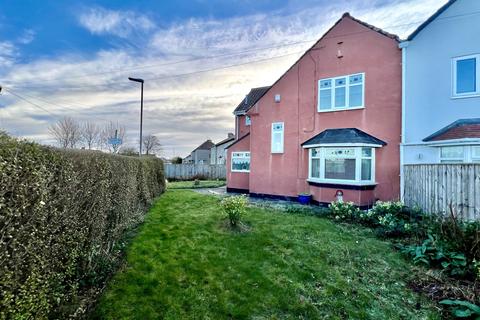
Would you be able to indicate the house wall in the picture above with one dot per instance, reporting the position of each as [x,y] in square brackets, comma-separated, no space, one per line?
[201,156]
[238,180]
[241,128]
[363,50]
[222,153]
[213,155]
[429,105]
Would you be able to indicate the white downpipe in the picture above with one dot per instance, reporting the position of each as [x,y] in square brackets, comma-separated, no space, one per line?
[403,46]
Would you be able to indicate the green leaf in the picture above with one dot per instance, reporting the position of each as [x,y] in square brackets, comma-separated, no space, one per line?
[462,313]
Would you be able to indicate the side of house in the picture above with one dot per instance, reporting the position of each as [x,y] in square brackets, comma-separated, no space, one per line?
[201,154]
[441,112]
[219,151]
[332,122]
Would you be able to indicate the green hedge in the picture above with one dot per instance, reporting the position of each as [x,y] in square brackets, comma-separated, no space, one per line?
[63,219]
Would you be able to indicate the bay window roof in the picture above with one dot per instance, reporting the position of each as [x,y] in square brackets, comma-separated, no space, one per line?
[344,136]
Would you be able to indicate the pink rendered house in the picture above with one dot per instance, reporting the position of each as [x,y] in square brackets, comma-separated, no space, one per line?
[330,125]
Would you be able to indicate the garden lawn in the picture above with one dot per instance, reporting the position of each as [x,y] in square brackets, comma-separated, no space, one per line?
[184,264]
[191,185]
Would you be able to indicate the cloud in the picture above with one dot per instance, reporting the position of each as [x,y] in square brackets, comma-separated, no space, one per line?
[27,36]
[119,23]
[8,54]
[182,110]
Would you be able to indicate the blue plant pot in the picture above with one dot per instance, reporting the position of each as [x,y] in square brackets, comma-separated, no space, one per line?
[304,198]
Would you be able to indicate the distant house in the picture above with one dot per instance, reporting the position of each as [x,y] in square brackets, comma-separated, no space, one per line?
[330,126]
[218,152]
[441,110]
[187,159]
[201,154]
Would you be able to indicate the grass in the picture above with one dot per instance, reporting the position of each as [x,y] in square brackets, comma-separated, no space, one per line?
[184,265]
[191,185]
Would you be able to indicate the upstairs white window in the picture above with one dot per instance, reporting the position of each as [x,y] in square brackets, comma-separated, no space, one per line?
[350,165]
[341,93]
[454,154]
[248,121]
[466,72]
[277,137]
[241,161]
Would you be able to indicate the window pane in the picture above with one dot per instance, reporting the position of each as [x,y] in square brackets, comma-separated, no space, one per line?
[240,164]
[476,152]
[342,169]
[356,96]
[325,99]
[451,152]
[277,142]
[366,152]
[340,82]
[340,97]
[366,169]
[356,78]
[315,152]
[466,75]
[325,84]
[315,168]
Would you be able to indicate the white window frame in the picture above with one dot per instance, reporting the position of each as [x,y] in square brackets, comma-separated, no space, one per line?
[347,93]
[475,157]
[248,121]
[358,166]
[454,77]
[273,150]
[239,155]
[451,160]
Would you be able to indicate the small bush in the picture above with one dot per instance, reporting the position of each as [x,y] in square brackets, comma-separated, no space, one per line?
[234,208]
[345,211]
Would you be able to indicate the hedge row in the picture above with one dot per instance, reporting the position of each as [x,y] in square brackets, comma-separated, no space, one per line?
[63,216]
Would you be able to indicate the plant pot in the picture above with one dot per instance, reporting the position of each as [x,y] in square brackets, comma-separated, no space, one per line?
[304,198]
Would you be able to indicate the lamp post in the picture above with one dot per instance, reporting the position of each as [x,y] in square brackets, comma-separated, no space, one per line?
[141,113]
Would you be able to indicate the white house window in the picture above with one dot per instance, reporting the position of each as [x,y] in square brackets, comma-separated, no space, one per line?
[476,154]
[341,93]
[466,72]
[248,121]
[352,165]
[454,154]
[240,161]
[277,137]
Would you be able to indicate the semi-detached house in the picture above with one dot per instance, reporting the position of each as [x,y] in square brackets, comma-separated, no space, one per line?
[331,124]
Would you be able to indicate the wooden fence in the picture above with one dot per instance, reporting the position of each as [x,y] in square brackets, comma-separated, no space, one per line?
[193,171]
[433,187]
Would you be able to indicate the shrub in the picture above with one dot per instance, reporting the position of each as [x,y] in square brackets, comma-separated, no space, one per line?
[462,309]
[432,253]
[345,211]
[234,208]
[63,217]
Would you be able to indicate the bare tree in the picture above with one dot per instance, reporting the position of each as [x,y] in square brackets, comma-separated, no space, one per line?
[111,132]
[90,134]
[67,132]
[151,144]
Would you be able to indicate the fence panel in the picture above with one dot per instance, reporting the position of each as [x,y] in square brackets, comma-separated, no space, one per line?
[434,187]
[191,171]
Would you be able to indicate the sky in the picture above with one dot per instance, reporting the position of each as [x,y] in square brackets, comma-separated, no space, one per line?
[198,58]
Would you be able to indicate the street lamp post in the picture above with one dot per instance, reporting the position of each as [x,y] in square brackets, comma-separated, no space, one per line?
[141,113]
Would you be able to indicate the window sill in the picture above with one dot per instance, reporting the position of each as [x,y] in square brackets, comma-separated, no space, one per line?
[342,185]
[473,95]
[240,171]
[339,109]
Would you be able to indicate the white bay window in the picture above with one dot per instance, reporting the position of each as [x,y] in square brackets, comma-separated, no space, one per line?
[348,165]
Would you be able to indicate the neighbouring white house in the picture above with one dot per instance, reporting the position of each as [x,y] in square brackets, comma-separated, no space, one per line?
[441,87]
[218,151]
